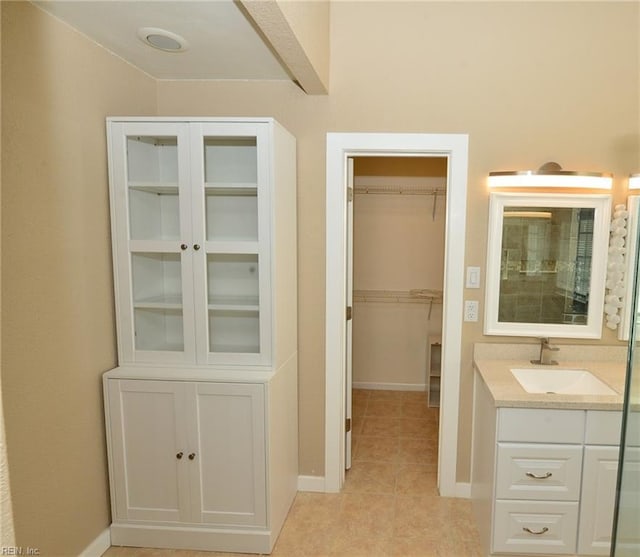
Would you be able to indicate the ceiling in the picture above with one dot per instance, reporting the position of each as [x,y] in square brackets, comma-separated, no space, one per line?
[223,43]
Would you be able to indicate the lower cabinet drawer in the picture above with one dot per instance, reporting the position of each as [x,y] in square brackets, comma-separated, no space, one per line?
[533,527]
[534,471]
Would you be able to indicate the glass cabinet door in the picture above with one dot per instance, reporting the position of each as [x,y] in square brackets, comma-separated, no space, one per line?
[232,172]
[154,188]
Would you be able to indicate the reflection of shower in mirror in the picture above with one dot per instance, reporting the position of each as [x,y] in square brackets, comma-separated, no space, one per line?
[546,264]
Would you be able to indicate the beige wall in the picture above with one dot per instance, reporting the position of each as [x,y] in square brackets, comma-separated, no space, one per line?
[57,312]
[7,536]
[528,81]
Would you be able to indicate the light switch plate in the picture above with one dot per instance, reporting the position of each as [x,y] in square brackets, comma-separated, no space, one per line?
[473,277]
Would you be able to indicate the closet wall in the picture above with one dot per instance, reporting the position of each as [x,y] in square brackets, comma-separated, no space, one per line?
[398,241]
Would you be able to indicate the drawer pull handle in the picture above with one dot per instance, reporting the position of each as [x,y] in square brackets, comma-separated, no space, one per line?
[532,475]
[543,531]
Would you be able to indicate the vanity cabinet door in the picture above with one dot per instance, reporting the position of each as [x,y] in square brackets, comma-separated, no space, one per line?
[598,499]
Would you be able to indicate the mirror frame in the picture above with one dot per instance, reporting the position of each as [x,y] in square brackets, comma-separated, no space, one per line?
[602,214]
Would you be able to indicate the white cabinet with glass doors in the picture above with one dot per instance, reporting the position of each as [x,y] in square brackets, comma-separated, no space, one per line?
[202,410]
[193,216]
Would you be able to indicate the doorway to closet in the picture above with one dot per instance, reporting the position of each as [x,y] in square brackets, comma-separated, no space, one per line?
[397,241]
[341,147]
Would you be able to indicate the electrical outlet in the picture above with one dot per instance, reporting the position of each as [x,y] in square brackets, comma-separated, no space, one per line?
[471,310]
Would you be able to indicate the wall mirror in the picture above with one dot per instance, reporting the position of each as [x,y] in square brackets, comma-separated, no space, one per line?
[546,264]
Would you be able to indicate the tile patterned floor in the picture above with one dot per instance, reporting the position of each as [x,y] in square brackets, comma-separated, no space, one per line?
[389,506]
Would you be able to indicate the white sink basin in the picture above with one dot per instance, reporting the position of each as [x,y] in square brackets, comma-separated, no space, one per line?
[561,381]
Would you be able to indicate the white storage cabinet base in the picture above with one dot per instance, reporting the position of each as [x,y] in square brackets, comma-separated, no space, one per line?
[194,538]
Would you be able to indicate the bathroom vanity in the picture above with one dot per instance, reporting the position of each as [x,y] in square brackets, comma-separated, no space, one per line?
[544,465]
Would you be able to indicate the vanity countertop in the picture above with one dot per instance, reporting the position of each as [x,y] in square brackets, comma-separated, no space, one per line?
[507,392]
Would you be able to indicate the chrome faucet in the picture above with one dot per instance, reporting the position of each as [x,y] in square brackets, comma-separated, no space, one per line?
[545,353]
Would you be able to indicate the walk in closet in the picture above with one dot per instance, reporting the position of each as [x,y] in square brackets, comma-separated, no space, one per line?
[201,413]
[398,267]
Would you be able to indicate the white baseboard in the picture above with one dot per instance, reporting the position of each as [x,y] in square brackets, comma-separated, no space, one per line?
[463,490]
[98,546]
[188,536]
[389,386]
[317,484]
[311,483]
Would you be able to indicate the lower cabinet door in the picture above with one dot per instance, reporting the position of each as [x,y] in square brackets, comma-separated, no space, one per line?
[533,527]
[598,499]
[148,450]
[230,487]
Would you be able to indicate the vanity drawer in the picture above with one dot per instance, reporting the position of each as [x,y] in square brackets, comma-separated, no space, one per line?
[549,472]
[534,425]
[532,527]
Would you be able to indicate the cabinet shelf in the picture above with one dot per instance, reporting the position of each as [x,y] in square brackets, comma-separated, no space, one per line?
[217,303]
[159,188]
[434,362]
[234,303]
[231,247]
[159,302]
[233,188]
[234,349]
[210,188]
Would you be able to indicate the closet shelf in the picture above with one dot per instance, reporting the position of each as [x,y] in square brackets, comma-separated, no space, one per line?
[400,190]
[415,296]
[404,190]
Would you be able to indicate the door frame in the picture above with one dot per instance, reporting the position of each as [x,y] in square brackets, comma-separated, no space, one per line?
[340,146]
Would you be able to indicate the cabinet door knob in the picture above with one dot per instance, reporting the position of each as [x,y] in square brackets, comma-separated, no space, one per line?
[183,246]
[179,455]
[532,475]
[192,456]
[543,531]
[196,247]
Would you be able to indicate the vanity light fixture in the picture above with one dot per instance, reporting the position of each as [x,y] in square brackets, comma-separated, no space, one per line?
[162,39]
[634,182]
[550,175]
